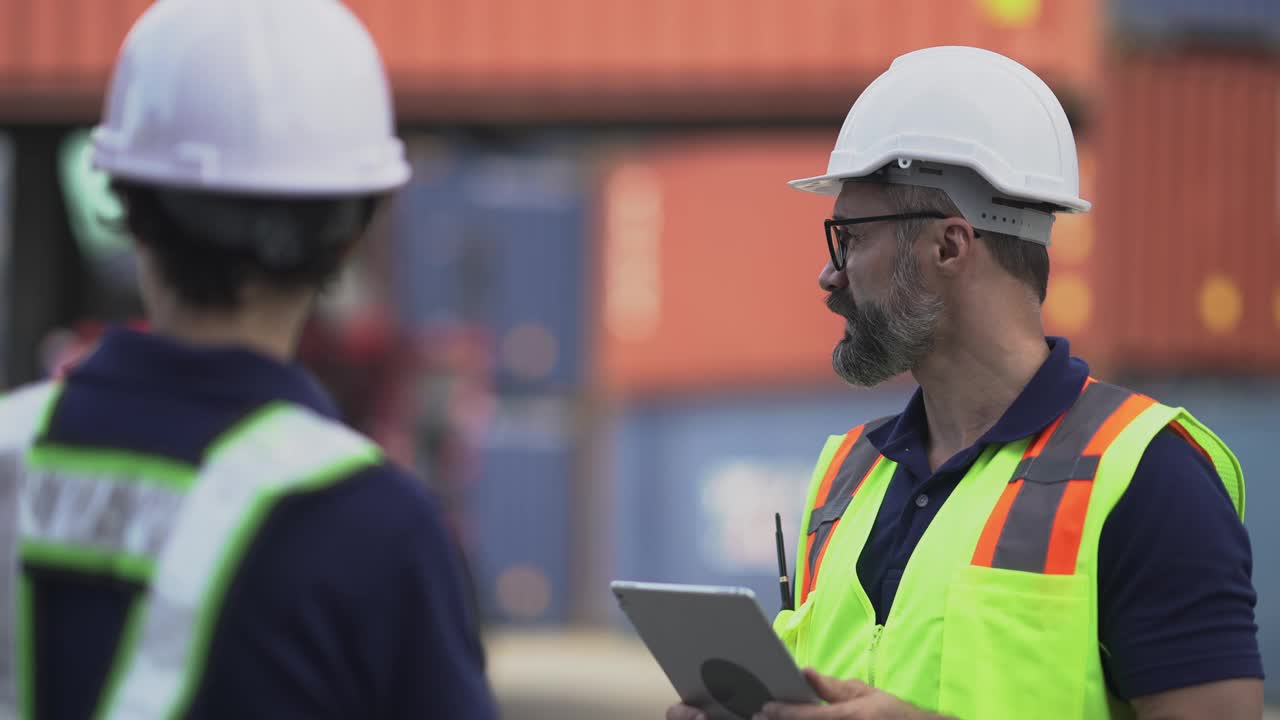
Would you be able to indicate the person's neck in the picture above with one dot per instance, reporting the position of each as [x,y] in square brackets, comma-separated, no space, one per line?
[972,377]
[272,332]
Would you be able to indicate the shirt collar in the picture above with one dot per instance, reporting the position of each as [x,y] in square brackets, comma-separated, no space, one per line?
[166,365]
[1051,392]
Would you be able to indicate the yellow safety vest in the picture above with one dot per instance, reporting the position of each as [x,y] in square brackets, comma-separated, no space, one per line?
[996,615]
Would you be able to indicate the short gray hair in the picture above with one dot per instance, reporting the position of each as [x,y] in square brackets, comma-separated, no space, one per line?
[1028,261]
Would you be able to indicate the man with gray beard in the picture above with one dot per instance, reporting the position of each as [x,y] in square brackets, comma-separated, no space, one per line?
[1022,541]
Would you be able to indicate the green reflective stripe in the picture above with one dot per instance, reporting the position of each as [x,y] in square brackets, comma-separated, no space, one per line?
[46,413]
[88,559]
[230,562]
[245,428]
[126,646]
[107,461]
[26,649]
[1224,461]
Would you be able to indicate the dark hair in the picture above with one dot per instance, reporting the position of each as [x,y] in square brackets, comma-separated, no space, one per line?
[1028,261]
[210,245]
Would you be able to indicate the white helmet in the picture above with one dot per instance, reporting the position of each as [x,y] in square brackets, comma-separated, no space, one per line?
[971,122]
[258,97]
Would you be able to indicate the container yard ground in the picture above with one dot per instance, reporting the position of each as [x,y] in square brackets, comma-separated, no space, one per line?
[584,675]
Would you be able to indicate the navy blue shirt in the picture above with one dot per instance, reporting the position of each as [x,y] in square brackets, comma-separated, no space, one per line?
[348,603]
[1175,597]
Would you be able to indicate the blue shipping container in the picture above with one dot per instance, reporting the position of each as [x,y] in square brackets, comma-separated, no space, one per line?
[1237,23]
[498,240]
[519,512]
[699,479]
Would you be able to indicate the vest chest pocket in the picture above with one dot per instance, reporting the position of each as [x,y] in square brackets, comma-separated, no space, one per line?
[1015,640]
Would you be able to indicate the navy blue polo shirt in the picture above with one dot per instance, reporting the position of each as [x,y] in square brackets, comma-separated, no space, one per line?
[1175,597]
[348,603]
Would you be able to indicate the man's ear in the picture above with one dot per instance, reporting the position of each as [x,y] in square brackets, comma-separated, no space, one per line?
[955,245]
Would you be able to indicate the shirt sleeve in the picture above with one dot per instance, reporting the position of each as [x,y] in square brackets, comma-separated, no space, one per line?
[349,603]
[1175,594]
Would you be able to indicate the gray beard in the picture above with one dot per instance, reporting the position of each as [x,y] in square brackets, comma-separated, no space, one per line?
[882,341]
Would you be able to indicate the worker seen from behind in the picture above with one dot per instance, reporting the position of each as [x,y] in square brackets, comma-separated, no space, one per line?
[1022,541]
[187,529]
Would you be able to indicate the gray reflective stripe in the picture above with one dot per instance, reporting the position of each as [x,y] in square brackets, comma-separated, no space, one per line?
[815,550]
[854,468]
[1056,470]
[106,513]
[22,415]
[281,450]
[1024,539]
[862,456]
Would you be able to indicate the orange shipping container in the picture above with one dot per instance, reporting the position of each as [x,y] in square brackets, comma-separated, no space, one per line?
[1188,246]
[520,59]
[710,266]
[1071,308]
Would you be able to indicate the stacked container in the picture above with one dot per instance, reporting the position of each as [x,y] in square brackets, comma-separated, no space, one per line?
[1190,235]
[492,250]
[1189,232]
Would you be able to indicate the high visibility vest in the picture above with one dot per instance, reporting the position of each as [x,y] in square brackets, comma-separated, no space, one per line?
[180,531]
[996,615]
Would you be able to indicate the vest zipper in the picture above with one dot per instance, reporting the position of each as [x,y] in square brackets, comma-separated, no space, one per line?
[875,643]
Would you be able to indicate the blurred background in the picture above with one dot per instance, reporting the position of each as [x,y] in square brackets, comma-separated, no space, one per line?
[592,321]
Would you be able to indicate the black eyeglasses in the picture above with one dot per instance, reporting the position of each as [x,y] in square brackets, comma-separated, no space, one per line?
[839,237]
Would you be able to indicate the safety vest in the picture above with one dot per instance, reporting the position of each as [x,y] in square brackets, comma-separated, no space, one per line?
[996,615]
[180,531]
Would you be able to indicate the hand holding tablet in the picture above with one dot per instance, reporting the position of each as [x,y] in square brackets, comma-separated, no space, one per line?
[715,646]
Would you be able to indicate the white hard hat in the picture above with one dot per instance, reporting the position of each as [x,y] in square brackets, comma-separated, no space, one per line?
[971,122]
[258,97]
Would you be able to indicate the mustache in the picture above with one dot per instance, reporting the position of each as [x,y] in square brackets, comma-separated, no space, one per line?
[842,304]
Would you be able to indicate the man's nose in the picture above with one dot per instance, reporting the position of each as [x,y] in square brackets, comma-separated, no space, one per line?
[831,279]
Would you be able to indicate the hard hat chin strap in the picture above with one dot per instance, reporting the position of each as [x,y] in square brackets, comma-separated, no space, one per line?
[981,205]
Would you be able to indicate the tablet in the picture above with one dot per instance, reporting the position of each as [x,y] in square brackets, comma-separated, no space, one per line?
[715,645]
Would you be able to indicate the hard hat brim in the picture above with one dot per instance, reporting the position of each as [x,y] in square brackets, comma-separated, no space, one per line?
[831,184]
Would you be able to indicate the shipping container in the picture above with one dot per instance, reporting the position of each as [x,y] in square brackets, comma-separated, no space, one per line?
[709,268]
[1234,23]
[497,240]
[699,478]
[487,60]
[1188,250]
[518,511]
[1071,306]
[1243,413]
[6,253]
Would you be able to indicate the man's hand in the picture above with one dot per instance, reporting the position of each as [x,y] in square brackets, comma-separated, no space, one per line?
[848,700]
[685,712]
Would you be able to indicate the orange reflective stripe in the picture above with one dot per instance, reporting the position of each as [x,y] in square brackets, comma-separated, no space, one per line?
[813,576]
[1068,522]
[1068,526]
[986,550]
[1132,407]
[824,491]
[1043,438]
[1038,522]
[837,461]
[995,524]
